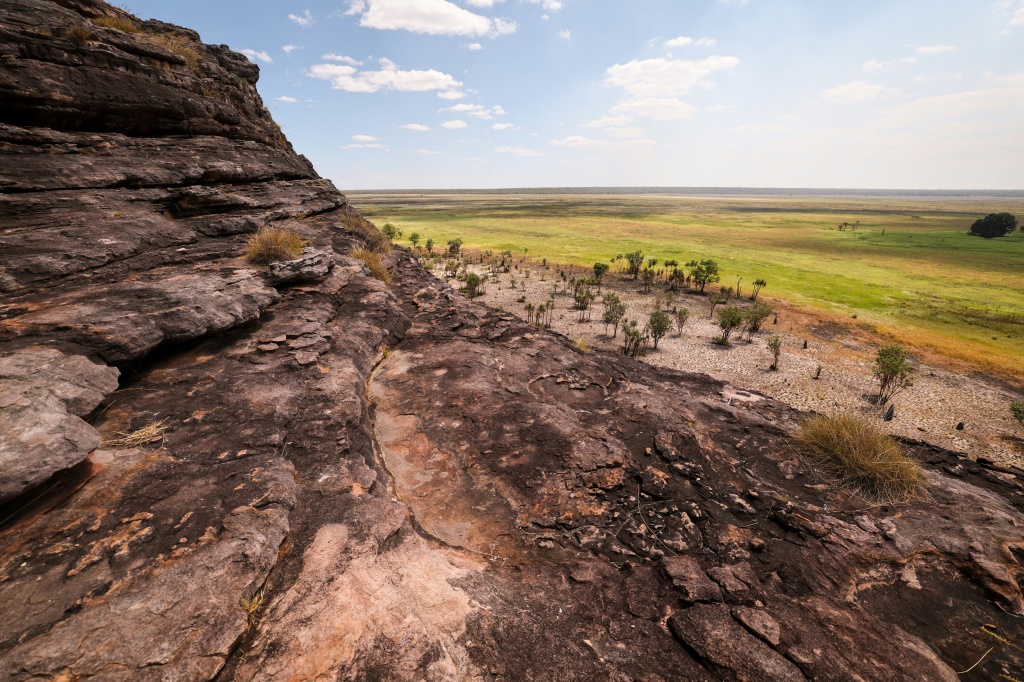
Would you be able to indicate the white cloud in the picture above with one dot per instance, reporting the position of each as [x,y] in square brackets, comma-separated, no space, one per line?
[389,77]
[304,20]
[455,124]
[656,108]
[681,41]
[482,3]
[286,99]
[1018,17]
[934,49]
[331,57]
[706,42]
[476,110]
[609,121]
[474,47]
[451,94]
[288,49]
[663,77]
[253,56]
[505,126]
[761,128]
[877,65]
[565,34]
[518,151]
[434,17]
[854,91]
[428,152]
[418,127]
[972,107]
[549,5]
[364,138]
[371,145]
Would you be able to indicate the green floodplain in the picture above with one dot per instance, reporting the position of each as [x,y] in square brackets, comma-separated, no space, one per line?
[908,270]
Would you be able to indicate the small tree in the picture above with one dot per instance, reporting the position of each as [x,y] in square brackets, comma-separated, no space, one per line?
[681,315]
[454,247]
[414,238]
[1017,410]
[892,371]
[430,246]
[716,299]
[758,285]
[451,268]
[729,318]
[775,348]
[391,232]
[704,272]
[648,277]
[755,316]
[994,225]
[634,263]
[614,311]
[474,285]
[635,343]
[658,325]
[726,294]
[599,271]
[676,279]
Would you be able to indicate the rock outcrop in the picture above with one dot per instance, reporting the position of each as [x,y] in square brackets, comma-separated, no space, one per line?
[350,480]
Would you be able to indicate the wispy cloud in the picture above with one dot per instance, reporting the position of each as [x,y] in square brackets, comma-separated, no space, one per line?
[519,151]
[935,49]
[254,56]
[853,92]
[418,127]
[331,57]
[305,20]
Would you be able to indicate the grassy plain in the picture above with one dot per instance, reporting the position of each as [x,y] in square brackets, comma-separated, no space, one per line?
[909,272]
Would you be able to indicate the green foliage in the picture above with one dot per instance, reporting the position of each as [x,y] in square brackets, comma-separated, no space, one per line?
[635,342]
[429,246]
[681,315]
[474,285]
[414,238]
[758,285]
[703,272]
[892,372]
[729,318]
[599,271]
[648,277]
[454,247]
[614,311]
[634,263]
[1017,410]
[994,225]
[754,317]
[775,348]
[658,325]
[391,232]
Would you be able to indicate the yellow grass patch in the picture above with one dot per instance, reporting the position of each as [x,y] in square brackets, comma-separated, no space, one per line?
[273,244]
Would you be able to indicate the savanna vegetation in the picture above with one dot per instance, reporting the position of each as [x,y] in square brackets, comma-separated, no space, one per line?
[908,269]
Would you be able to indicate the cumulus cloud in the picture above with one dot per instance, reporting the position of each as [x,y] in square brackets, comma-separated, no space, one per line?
[288,49]
[451,94]
[934,49]
[505,126]
[364,138]
[681,41]
[519,151]
[663,77]
[482,3]
[285,99]
[565,34]
[434,17]
[304,20]
[418,127]
[476,110]
[474,47]
[853,92]
[455,124]
[254,56]
[389,77]
[549,5]
[331,57]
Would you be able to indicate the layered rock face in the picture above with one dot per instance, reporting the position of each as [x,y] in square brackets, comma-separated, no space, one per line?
[348,480]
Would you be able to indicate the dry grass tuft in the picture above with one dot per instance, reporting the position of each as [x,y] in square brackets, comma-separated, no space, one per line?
[181,46]
[252,607]
[859,455]
[119,23]
[79,35]
[151,433]
[273,244]
[582,345]
[371,259]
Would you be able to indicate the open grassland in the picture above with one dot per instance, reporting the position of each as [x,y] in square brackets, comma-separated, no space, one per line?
[909,271]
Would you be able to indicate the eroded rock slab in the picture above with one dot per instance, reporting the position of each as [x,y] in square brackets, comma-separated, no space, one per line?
[43,395]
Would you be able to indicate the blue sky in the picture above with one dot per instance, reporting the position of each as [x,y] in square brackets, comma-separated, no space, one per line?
[919,94]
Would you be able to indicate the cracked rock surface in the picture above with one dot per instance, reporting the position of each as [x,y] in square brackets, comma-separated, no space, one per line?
[359,481]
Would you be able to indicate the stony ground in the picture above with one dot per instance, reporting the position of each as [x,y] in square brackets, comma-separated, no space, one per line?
[930,410]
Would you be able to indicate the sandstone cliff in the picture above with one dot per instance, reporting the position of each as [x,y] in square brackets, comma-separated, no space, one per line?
[354,481]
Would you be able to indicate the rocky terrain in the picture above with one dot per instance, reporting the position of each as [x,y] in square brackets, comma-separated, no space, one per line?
[341,479]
